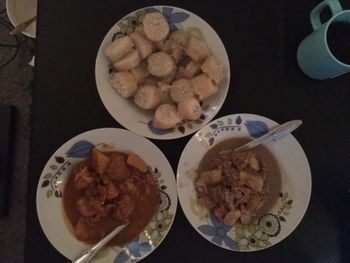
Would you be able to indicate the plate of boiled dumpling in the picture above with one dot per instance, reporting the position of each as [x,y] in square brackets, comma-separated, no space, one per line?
[162,72]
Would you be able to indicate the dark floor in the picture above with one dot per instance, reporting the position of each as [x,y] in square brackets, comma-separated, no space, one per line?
[15,89]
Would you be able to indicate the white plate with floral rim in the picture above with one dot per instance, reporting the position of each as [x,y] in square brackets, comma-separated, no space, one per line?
[51,184]
[291,200]
[125,111]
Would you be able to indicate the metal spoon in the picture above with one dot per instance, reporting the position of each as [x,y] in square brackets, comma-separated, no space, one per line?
[22,26]
[87,255]
[274,134]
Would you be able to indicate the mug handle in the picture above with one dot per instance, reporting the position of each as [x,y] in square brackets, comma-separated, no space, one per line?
[333,5]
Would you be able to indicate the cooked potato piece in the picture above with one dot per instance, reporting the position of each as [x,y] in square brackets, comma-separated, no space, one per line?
[213,69]
[160,64]
[203,86]
[129,61]
[180,37]
[189,109]
[166,117]
[192,69]
[135,161]
[170,77]
[124,83]
[253,181]
[147,97]
[181,89]
[119,48]
[197,49]
[155,26]
[164,90]
[231,217]
[100,162]
[143,45]
[174,50]
[212,176]
[140,72]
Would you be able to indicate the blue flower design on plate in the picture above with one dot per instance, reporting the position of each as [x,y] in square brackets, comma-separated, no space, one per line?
[133,250]
[218,232]
[80,149]
[171,16]
[256,128]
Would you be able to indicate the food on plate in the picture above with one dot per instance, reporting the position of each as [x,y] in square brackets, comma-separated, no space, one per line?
[160,64]
[233,186]
[129,61]
[197,49]
[166,116]
[189,108]
[192,69]
[119,48]
[168,72]
[203,87]
[108,189]
[143,45]
[181,89]
[155,26]
[147,97]
[124,83]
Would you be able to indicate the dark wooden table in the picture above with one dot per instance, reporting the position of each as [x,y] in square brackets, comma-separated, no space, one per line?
[261,38]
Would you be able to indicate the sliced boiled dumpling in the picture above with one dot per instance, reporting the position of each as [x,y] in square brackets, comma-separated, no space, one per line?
[174,50]
[147,97]
[124,83]
[164,90]
[197,49]
[203,86]
[181,89]
[129,61]
[143,45]
[189,109]
[160,64]
[155,26]
[119,48]
[140,72]
[166,117]
[180,37]
[213,69]
[192,69]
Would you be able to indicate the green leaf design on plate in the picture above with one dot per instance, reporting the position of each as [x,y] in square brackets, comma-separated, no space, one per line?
[221,123]
[290,202]
[196,32]
[282,218]
[47,176]
[49,193]
[58,193]
[45,183]
[189,125]
[205,107]
[208,135]
[102,253]
[198,121]
[53,167]
[229,121]
[211,141]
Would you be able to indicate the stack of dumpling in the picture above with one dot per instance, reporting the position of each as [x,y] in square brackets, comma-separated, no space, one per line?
[166,72]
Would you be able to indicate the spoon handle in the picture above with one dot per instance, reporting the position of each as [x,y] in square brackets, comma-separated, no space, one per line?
[87,255]
[20,28]
[274,134]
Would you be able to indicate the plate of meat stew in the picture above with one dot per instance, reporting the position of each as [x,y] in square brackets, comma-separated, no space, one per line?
[243,201]
[101,179]
[162,72]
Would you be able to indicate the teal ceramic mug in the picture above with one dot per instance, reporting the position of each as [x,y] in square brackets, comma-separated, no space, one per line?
[314,56]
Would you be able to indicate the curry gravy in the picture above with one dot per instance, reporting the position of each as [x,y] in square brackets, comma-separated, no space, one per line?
[262,153]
